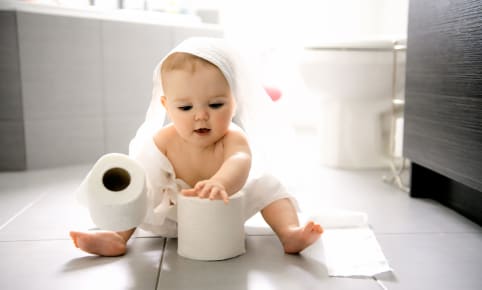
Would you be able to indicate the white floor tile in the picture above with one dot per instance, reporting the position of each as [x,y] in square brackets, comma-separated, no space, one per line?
[264,266]
[59,265]
[428,245]
[389,209]
[433,261]
[52,211]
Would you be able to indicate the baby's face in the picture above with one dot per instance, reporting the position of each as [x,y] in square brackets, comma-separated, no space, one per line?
[199,104]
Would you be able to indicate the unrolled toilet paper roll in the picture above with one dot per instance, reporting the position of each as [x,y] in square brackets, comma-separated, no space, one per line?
[348,247]
[337,219]
[115,193]
[209,229]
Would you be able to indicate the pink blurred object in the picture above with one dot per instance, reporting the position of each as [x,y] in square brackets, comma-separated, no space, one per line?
[274,93]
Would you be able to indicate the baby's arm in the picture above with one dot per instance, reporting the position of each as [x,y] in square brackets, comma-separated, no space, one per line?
[232,174]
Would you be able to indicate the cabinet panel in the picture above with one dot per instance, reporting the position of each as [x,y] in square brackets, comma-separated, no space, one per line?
[443,112]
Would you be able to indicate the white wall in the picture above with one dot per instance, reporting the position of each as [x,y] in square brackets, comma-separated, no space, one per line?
[301,21]
[273,33]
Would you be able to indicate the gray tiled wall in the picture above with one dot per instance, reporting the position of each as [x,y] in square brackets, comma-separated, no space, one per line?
[131,51]
[12,142]
[62,88]
[85,85]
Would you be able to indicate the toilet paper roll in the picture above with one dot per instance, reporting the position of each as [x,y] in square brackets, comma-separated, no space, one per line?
[210,229]
[115,193]
[336,219]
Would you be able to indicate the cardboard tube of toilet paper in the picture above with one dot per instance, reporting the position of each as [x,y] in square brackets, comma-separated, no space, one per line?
[210,229]
[115,193]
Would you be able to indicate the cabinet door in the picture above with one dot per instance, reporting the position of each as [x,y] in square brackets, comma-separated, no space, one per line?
[443,112]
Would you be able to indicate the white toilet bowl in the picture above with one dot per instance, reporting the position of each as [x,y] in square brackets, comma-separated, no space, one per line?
[354,84]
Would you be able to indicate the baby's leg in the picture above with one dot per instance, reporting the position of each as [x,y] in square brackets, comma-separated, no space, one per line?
[102,243]
[283,219]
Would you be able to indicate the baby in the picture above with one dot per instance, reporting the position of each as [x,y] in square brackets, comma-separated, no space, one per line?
[202,152]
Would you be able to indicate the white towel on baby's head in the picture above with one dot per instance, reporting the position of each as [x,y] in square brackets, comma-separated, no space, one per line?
[270,135]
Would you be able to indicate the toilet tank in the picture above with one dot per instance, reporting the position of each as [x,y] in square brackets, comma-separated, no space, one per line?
[350,69]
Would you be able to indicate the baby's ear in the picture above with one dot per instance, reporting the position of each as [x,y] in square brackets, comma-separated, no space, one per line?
[163,101]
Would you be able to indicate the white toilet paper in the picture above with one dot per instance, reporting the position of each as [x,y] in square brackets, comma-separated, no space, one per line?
[115,193]
[210,229]
[348,247]
[338,219]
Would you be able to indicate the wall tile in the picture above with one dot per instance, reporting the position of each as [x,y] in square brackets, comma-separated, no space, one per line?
[181,33]
[119,130]
[10,86]
[60,142]
[130,53]
[12,145]
[60,66]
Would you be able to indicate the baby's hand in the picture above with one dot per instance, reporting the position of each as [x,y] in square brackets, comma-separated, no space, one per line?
[208,189]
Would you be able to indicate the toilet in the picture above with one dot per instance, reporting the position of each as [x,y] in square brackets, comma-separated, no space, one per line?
[355,83]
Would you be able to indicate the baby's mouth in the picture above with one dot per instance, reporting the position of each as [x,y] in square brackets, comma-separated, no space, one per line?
[202,130]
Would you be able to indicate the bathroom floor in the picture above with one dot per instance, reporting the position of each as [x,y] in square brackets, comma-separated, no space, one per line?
[427,245]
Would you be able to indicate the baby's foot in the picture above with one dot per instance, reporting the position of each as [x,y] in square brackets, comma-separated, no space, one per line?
[300,238]
[109,244]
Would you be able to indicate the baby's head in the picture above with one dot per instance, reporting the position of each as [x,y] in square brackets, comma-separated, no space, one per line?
[197,98]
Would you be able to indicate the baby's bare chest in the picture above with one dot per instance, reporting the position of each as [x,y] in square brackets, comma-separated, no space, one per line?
[192,167]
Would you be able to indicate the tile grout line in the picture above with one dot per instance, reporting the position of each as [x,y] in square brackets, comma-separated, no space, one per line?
[380,283]
[428,233]
[160,263]
[34,240]
[25,208]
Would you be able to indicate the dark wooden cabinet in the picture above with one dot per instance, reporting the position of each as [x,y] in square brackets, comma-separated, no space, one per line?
[443,110]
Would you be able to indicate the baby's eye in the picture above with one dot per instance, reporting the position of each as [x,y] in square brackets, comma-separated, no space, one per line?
[216,105]
[185,108]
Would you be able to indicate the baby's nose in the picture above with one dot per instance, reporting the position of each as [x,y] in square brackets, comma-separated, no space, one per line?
[201,114]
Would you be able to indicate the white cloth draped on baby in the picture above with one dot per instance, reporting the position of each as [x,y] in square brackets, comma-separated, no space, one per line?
[163,188]
[269,135]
